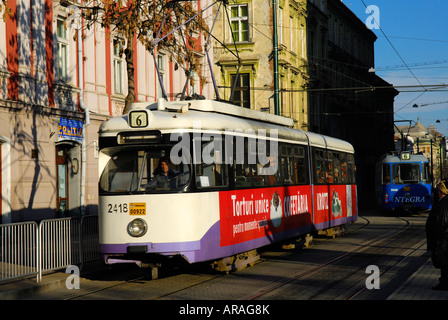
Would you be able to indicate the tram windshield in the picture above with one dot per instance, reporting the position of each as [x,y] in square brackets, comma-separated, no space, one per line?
[143,171]
[404,173]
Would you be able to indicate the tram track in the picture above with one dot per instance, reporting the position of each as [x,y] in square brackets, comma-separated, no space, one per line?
[310,272]
[94,291]
[376,243]
[196,283]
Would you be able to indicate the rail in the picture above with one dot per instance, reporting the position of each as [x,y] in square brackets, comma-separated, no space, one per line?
[29,249]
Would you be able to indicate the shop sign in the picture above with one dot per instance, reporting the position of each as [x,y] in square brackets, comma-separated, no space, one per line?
[69,129]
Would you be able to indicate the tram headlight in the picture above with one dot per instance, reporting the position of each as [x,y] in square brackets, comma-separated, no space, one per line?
[137,228]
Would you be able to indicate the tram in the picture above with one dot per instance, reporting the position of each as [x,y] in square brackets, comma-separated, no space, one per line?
[206,180]
[403,182]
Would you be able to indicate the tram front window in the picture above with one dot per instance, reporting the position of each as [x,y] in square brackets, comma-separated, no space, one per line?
[135,171]
[406,173]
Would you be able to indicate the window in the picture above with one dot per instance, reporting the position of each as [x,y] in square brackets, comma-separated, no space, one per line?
[303,38]
[320,172]
[351,169]
[144,171]
[239,22]
[292,168]
[291,34]
[241,95]
[192,83]
[118,66]
[406,173]
[425,173]
[211,172]
[162,68]
[300,165]
[242,170]
[62,54]
[386,173]
[333,167]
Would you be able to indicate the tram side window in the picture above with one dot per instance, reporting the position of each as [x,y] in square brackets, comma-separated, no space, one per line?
[333,167]
[269,174]
[243,170]
[343,168]
[300,166]
[386,173]
[426,178]
[247,170]
[212,172]
[337,167]
[287,165]
[262,172]
[351,169]
[292,168]
[319,172]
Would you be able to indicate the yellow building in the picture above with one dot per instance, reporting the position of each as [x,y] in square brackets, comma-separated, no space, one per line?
[244,56]
[293,61]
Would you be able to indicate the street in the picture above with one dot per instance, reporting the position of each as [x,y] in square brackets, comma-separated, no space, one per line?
[374,257]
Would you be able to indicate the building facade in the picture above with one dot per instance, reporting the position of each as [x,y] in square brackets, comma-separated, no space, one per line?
[345,95]
[326,73]
[54,93]
[244,57]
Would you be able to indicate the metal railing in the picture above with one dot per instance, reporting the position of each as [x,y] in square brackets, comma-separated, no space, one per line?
[58,244]
[29,249]
[18,250]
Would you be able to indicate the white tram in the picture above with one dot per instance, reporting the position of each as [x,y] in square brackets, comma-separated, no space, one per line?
[206,180]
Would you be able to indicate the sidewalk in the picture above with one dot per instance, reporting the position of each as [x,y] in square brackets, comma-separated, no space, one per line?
[26,288]
[417,287]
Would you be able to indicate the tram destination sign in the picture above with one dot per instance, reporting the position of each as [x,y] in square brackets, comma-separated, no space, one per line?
[138,119]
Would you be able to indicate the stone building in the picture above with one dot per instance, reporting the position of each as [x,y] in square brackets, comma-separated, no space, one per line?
[54,94]
[251,44]
[326,73]
[347,99]
[419,139]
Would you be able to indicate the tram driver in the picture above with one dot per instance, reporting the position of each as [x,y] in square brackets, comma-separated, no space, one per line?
[164,175]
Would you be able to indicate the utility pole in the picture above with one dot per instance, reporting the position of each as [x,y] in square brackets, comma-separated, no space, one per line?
[275,40]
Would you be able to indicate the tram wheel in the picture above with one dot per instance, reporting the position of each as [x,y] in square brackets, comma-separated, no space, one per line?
[236,262]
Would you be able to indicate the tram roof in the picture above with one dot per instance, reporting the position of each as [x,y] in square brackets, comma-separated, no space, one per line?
[396,158]
[215,115]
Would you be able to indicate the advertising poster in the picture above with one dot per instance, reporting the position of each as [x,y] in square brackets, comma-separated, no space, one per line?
[250,214]
[254,213]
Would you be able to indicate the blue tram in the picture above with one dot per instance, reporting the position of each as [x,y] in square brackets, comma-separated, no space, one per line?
[403,182]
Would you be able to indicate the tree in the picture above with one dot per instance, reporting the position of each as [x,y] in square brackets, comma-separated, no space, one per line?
[5,9]
[148,21]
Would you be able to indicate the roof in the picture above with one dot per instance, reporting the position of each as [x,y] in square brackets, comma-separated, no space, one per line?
[418,130]
[216,116]
[396,158]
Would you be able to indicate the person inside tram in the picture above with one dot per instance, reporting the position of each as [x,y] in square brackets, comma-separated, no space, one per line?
[320,175]
[328,176]
[336,175]
[164,175]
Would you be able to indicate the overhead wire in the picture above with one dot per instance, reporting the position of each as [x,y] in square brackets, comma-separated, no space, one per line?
[401,58]
[391,44]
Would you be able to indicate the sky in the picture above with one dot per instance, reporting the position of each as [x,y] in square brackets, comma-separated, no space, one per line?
[411,50]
